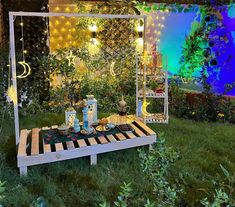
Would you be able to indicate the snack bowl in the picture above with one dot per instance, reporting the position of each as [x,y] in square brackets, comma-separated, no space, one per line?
[63,130]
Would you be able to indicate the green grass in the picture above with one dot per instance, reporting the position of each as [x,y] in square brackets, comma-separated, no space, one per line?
[202,147]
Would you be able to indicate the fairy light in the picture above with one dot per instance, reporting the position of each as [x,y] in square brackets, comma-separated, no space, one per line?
[67,9]
[93,28]
[63,29]
[26,67]
[57,22]
[57,8]
[68,23]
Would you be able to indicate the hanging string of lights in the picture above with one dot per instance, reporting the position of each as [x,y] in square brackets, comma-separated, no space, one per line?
[26,67]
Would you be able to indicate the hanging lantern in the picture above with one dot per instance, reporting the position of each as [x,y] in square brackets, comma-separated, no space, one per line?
[211,44]
[70,115]
[207,18]
[91,103]
[213,62]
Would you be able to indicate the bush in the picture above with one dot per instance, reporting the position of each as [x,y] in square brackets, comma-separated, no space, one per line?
[205,106]
[156,165]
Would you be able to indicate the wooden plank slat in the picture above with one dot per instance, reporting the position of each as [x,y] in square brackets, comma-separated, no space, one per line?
[111,138]
[145,127]
[103,140]
[137,131]
[81,143]
[59,147]
[120,136]
[70,145]
[46,147]
[35,141]
[23,142]
[92,141]
[130,135]
[86,151]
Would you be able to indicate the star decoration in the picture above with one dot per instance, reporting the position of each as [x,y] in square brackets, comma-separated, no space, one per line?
[71,58]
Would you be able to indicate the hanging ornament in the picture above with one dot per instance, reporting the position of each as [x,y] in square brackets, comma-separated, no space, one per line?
[144,108]
[27,69]
[112,69]
[11,94]
[71,58]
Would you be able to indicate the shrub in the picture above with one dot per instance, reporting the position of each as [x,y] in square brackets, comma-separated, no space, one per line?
[155,165]
[224,196]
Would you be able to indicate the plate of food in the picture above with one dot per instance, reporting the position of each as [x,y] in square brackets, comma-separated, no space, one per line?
[102,127]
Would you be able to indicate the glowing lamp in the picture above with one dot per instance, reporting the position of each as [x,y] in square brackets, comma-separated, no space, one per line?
[91,103]
[140,28]
[70,115]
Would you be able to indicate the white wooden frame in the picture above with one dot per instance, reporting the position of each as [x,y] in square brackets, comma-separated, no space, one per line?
[13,15]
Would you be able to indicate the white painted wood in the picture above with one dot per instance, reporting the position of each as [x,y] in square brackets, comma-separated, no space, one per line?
[23,171]
[103,16]
[14,81]
[93,159]
[85,151]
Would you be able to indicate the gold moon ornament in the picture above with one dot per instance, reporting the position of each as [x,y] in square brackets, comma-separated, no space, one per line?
[27,69]
[112,69]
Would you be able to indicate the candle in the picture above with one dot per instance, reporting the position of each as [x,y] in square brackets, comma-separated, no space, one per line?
[90,117]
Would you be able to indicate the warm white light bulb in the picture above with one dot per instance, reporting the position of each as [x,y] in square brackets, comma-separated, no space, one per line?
[93,28]
[140,28]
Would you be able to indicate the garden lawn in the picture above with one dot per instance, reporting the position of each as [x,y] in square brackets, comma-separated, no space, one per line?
[202,147]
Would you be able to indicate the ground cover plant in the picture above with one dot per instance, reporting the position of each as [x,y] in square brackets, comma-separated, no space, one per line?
[201,146]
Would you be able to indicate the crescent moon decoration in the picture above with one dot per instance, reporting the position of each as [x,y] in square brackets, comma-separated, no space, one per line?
[27,70]
[112,69]
[144,108]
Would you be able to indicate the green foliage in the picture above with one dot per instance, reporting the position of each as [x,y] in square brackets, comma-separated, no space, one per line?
[156,165]
[123,195]
[122,198]
[205,106]
[39,202]
[220,198]
[2,189]
[224,196]
[176,7]
[195,56]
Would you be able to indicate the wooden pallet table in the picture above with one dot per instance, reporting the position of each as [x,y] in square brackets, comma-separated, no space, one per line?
[33,151]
